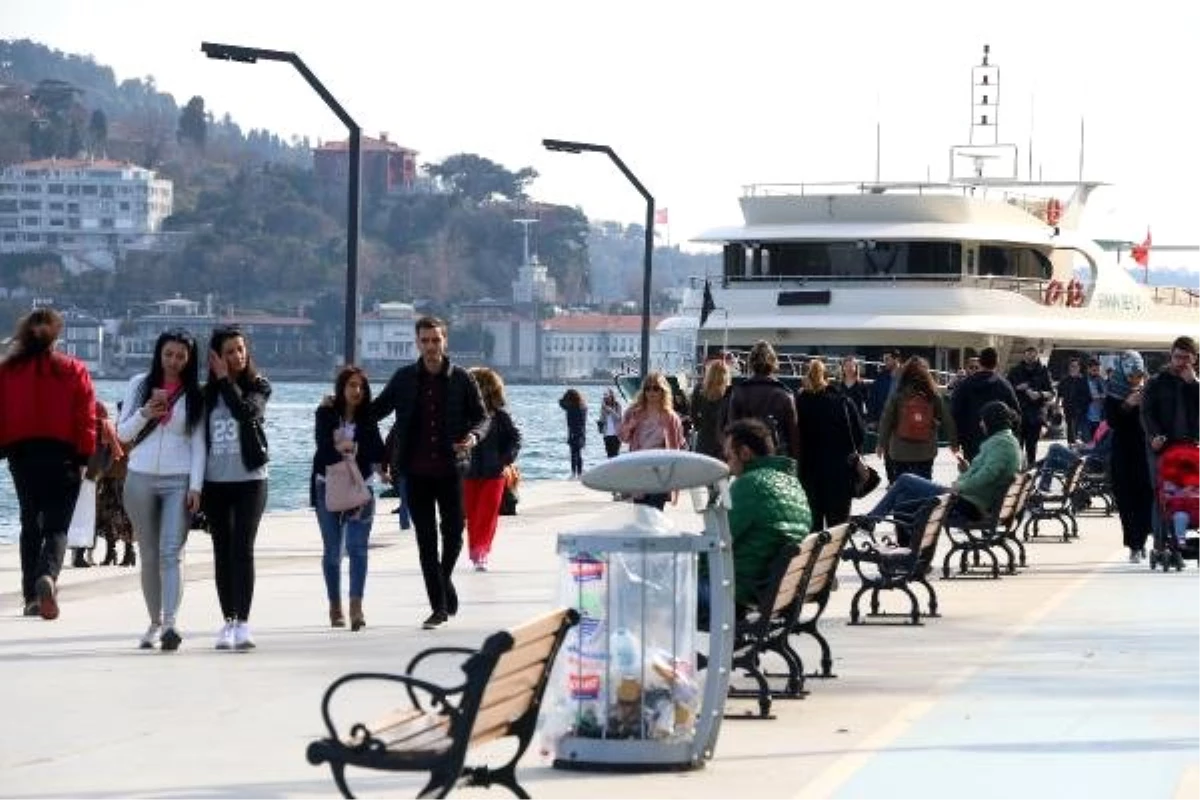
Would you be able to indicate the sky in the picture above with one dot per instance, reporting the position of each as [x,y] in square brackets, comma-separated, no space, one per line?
[698,98]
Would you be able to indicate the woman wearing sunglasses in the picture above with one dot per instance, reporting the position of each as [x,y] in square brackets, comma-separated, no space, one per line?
[651,423]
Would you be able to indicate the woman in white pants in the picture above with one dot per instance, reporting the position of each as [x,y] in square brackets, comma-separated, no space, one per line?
[162,417]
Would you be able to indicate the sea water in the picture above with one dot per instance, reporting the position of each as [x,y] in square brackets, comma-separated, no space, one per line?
[289,428]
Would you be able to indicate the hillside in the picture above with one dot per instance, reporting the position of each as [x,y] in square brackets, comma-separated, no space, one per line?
[259,228]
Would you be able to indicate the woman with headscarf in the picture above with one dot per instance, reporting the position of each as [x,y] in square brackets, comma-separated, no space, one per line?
[1130,472]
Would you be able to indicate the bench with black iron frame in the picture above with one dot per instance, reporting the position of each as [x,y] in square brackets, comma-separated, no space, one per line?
[816,596]
[500,696]
[760,632]
[996,530]
[1059,504]
[897,560]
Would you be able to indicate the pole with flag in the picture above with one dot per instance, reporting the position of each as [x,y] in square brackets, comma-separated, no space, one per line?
[1141,255]
[707,306]
[661,218]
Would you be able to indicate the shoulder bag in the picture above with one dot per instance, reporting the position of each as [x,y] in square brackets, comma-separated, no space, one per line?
[345,488]
[863,478]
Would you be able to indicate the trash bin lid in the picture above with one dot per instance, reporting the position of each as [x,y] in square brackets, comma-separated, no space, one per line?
[657,471]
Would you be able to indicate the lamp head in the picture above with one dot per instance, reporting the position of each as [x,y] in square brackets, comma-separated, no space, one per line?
[560,146]
[229,52]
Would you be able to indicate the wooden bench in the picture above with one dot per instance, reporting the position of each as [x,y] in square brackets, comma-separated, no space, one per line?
[500,696]
[816,596]
[1058,506]
[997,530]
[898,560]
[766,628]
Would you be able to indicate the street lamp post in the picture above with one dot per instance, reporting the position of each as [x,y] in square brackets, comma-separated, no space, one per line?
[560,146]
[251,55]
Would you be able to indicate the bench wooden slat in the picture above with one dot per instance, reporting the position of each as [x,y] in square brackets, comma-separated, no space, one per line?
[502,713]
[796,568]
[409,729]
[521,681]
[540,628]
[515,660]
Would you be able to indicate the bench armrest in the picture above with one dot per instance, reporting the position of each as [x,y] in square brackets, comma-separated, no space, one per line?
[440,696]
[435,651]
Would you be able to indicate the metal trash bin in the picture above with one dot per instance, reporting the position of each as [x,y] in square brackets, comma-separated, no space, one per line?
[626,693]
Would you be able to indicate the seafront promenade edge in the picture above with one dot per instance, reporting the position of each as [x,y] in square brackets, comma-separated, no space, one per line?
[1079,677]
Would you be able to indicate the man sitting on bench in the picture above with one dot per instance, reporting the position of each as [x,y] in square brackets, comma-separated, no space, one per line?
[768,509]
[981,484]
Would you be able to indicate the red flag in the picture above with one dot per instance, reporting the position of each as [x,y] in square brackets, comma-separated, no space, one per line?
[1141,252]
[660,217]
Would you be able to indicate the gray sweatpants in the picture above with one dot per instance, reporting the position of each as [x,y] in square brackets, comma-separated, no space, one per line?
[157,507]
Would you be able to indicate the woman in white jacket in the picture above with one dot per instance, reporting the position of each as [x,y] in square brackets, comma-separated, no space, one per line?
[163,417]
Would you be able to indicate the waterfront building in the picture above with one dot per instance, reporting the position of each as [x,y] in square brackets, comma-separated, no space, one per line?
[387,339]
[596,345]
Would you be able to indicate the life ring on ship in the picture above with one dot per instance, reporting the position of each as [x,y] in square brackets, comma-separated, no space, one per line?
[1074,293]
[1053,211]
[1054,293]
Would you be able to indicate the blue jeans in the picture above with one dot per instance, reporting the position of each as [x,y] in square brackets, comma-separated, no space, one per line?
[401,486]
[349,531]
[157,507]
[1058,459]
[906,493]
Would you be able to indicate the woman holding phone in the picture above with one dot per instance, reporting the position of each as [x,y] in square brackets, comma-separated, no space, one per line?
[235,477]
[162,418]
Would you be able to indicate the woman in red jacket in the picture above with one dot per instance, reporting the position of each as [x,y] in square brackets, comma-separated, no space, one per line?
[47,431]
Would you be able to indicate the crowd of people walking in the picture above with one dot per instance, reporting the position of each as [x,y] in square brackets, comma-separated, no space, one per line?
[186,452]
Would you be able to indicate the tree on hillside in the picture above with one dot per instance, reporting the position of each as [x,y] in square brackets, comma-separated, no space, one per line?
[98,131]
[475,179]
[193,123]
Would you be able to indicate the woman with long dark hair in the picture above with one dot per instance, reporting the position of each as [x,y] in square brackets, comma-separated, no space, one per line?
[911,418]
[573,403]
[47,431]
[235,477]
[345,428]
[483,487]
[162,417]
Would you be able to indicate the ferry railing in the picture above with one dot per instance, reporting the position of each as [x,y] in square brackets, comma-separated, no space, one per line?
[1176,296]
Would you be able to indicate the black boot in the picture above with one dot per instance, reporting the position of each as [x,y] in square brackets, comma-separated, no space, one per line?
[110,553]
[79,561]
[130,559]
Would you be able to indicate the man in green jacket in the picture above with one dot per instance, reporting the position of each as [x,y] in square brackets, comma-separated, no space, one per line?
[768,508]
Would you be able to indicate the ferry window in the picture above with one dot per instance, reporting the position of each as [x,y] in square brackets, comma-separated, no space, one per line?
[735,260]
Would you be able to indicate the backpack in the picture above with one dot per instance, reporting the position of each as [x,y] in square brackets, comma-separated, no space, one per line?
[916,419]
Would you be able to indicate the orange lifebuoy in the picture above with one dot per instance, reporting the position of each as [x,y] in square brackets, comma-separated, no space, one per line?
[1074,293]
[1053,211]
[1054,293]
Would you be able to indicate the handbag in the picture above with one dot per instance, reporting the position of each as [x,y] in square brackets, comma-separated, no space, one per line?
[345,488]
[864,478]
[82,531]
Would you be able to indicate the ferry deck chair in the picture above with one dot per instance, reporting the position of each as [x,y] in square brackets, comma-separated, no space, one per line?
[500,696]
[1059,503]
[997,530]
[897,560]
[765,629]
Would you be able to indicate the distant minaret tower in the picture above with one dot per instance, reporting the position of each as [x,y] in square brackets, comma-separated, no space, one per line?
[985,102]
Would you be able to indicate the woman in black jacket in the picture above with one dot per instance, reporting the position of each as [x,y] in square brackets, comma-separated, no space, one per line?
[831,430]
[235,477]
[346,428]
[573,403]
[1128,466]
[483,487]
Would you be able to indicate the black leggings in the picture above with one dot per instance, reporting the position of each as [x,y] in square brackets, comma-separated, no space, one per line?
[234,511]
[47,483]
[576,460]
[428,497]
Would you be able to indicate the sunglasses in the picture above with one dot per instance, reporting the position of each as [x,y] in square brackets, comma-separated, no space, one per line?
[652,389]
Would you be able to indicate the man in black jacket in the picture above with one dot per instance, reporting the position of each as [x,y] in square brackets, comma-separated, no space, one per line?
[1035,390]
[972,394]
[440,416]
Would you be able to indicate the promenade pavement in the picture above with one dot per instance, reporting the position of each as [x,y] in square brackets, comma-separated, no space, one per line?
[1079,677]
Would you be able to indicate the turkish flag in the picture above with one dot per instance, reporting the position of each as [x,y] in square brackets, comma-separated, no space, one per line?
[1141,252]
[660,217]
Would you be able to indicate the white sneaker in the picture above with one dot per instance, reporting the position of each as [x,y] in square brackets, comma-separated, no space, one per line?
[242,638]
[151,637]
[225,639]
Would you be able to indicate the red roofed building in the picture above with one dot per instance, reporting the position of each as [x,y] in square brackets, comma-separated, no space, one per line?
[386,166]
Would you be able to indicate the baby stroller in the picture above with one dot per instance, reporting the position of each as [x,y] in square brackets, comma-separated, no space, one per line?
[1177,493]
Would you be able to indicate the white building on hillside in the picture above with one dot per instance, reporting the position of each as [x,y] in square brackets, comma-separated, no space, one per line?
[596,345]
[534,284]
[80,206]
[386,339]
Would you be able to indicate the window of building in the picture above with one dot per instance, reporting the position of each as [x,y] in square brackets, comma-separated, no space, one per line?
[31,222]
[107,222]
[106,191]
[123,206]
[31,188]
[54,188]
[10,237]
[90,190]
[31,205]
[33,237]
[57,222]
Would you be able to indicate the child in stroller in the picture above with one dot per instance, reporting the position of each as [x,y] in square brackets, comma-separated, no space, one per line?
[1178,498]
